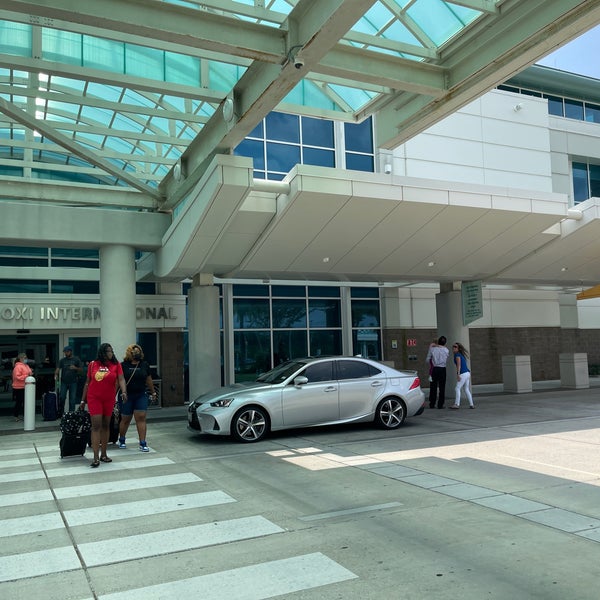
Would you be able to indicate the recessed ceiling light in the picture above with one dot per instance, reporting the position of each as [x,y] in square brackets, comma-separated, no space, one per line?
[326,259]
[431,263]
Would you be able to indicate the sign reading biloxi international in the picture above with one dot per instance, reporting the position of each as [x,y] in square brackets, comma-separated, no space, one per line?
[65,314]
[472,301]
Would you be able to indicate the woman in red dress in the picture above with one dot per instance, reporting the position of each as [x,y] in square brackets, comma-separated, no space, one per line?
[103,376]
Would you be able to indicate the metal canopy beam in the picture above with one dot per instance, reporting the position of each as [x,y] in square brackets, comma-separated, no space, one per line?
[314,29]
[23,117]
[482,58]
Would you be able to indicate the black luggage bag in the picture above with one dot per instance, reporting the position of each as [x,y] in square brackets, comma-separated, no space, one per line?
[75,427]
[113,428]
[50,406]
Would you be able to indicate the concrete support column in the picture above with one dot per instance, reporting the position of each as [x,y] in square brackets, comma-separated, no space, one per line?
[574,371]
[448,305]
[569,314]
[516,374]
[347,346]
[117,297]
[203,336]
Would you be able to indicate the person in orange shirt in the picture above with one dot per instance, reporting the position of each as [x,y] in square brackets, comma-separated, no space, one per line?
[20,372]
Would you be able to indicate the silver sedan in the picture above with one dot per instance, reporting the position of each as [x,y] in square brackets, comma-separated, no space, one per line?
[309,392]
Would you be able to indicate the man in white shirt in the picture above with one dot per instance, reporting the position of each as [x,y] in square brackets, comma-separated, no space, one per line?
[437,357]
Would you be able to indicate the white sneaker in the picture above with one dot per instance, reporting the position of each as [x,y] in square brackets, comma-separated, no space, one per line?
[144,448]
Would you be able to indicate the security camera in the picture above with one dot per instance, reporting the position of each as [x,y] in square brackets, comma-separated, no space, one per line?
[298,62]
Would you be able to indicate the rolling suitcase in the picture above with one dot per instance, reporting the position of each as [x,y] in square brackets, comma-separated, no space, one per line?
[113,428]
[50,406]
[75,428]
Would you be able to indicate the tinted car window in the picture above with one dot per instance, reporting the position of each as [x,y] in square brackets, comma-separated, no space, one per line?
[319,372]
[353,369]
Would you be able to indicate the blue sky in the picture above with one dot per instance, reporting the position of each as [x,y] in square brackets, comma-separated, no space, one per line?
[579,56]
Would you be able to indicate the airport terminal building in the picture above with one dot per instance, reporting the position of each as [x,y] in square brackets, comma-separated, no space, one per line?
[303,234]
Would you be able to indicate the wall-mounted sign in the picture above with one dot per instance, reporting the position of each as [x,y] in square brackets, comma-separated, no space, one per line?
[472,301]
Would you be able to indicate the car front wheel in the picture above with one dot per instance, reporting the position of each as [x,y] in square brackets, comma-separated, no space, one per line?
[250,424]
[390,413]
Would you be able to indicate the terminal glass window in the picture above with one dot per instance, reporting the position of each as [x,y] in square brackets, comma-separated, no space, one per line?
[586,181]
[282,141]
[275,323]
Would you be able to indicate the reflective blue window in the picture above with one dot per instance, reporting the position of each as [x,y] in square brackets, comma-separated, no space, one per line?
[251,314]
[254,149]
[289,291]
[282,127]
[289,314]
[592,113]
[20,286]
[573,109]
[325,291]
[288,345]
[317,132]
[359,162]
[555,106]
[324,313]
[319,158]
[242,289]
[581,190]
[325,342]
[359,136]
[282,157]
[365,313]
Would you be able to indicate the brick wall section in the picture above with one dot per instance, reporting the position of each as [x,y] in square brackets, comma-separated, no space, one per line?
[171,368]
[489,345]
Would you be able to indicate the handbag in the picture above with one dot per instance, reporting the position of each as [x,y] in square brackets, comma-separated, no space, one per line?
[116,409]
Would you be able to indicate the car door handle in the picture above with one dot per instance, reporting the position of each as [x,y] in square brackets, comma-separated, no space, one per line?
[376,384]
[330,388]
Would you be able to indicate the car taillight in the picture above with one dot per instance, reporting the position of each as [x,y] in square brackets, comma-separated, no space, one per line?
[415,384]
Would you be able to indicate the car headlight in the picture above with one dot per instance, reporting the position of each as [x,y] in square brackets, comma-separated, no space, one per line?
[223,403]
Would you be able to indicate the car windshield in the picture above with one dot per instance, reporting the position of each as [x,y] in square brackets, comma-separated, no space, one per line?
[281,372]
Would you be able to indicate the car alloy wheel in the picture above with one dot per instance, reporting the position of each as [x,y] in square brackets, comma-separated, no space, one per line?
[390,413]
[250,424]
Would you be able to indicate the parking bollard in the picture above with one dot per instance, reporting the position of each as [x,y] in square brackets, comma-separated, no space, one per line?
[29,411]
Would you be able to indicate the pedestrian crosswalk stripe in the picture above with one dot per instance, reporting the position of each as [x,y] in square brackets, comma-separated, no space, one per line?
[25,497]
[19,462]
[22,476]
[37,523]
[128,510]
[110,487]
[41,562]
[116,465]
[255,582]
[112,512]
[176,540]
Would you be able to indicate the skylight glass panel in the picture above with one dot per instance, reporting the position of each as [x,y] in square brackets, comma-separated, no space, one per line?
[127,123]
[69,84]
[144,62]
[309,94]
[62,46]
[435,19]
[354,97]
[103,54]
[15,38]
[224,76]
[182,69]
[377,17]
[106,92]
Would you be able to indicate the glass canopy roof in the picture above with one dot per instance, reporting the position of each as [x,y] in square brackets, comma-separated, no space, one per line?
[105,95]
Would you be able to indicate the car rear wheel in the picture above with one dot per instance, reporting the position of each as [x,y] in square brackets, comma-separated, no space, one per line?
[390,413]
[250,424]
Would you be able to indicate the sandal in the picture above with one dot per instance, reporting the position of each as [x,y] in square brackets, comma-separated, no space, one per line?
[95,464]
[105,459]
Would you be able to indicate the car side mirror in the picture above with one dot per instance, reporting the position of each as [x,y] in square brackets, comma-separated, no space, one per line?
[300,380]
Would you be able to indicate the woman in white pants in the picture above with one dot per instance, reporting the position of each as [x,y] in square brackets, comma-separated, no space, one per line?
[463,375]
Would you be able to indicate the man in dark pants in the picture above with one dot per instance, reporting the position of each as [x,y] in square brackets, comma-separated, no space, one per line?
[437,356]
